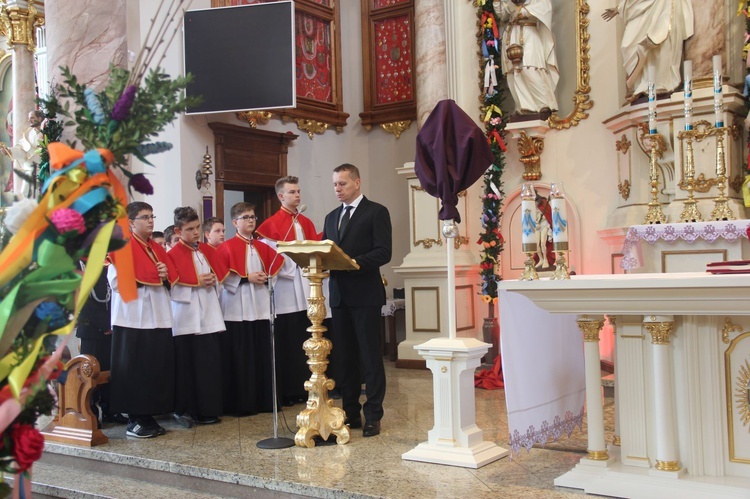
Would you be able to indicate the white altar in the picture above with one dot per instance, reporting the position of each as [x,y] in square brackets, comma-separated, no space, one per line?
[682,381]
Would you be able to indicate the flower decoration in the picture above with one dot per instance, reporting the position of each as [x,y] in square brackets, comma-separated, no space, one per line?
[491,240]
[68,220]
[81,205]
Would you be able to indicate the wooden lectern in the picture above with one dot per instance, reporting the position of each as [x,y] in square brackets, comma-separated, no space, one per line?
[320,417]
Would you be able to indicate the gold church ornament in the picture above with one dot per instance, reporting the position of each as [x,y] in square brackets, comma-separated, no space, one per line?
[721,210]
[19,25]
[690,213]
[530,149]
[655,215]
[729,327]
[311,127]
[255,118]
[396,128]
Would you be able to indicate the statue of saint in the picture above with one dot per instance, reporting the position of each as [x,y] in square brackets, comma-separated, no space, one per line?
[528,61]
[654,34]
[25,155]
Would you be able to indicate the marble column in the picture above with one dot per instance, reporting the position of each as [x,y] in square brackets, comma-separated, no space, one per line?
[18,22]
[590,326]
[86,36]
[432,73]
[660,328]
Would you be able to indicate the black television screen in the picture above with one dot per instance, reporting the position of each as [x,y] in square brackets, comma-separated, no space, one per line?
[241,58]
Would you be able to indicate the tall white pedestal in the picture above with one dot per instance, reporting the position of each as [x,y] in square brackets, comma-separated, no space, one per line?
[455,439]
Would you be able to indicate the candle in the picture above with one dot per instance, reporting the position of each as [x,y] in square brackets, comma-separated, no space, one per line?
[651,99]
[688,86]
[528,218]
[718,96]
[559,216]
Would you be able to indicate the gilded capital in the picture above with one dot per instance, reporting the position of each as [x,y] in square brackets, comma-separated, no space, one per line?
[590,329]
[19,25]
[660,332]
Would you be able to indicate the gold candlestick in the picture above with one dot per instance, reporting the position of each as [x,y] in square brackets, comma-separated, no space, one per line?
[655,215]
[561,266]
[721,211]
[690,213]
[529,271]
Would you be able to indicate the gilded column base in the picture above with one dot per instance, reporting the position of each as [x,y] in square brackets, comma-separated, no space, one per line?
[598,455]
[616,440]
[667,465]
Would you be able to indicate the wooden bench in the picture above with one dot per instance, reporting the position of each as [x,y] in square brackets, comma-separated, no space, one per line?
[75,423]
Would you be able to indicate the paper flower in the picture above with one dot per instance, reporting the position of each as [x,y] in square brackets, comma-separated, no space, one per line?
[140,183]
[121,110]
[67,219]
[28,445]
[52,312]
[18,213]
[95,107]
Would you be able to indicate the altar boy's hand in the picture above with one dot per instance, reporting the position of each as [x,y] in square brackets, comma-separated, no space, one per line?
[207,280]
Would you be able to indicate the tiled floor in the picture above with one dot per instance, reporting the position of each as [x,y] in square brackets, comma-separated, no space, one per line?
[362,467]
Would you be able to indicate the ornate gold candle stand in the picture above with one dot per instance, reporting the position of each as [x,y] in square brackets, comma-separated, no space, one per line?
[721,211]
[690,213]
[320,416]
[561,265]
[529,271]
[655,215]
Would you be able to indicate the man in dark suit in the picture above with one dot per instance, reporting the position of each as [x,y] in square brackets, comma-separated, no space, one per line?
[362,229]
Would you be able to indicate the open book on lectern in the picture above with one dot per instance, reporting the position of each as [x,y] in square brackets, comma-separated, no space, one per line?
[330,255]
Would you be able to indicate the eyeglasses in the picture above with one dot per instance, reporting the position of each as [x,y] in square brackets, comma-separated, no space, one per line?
[146,217]
[247,218]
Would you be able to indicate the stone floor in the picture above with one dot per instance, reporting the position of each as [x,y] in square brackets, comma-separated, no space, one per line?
[364,467]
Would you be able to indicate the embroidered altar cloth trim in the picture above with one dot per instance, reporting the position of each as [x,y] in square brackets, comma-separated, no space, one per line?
[688,232]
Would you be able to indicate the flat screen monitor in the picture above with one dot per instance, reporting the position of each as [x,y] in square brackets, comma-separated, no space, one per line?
[241,58]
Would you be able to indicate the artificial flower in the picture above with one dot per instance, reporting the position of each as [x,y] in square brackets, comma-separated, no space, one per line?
[95,107]
[51,312]
[121,110]
[28,445]
[18,213]
[67,220]
[140,183]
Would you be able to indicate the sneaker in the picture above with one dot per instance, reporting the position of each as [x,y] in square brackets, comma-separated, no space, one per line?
[184,420]
[137,430]
[207,420]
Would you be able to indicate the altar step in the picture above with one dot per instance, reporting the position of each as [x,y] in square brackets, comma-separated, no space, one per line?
[81,476]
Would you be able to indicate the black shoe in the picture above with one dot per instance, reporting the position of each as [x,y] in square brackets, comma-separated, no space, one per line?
[371,429]
[114,418]
[137,430]
[150,422]
[353,423]
[184,420]
[207,420]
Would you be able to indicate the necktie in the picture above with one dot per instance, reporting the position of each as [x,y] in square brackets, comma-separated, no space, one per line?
[344,220]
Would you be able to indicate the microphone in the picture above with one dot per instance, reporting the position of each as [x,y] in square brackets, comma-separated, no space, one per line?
[300,209]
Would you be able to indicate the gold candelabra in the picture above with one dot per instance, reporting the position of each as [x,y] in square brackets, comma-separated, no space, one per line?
[561,265]
[655,215]
[721,211]
[690,212]
[529,271]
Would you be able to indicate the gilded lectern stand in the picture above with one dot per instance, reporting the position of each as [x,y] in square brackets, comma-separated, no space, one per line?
[320,416]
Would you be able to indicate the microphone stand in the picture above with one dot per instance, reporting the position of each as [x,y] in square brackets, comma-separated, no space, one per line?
[276,442]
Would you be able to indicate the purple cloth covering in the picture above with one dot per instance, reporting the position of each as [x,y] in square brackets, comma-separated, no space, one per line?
[452,154]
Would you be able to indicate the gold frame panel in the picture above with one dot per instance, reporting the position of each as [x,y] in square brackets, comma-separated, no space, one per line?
[414,327]
[581,100]
[729,385]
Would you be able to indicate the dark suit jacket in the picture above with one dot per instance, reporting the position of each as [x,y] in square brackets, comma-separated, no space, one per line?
[367,239]
[94,319]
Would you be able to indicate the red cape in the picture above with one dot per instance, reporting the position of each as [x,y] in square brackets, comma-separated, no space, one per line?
[182,256]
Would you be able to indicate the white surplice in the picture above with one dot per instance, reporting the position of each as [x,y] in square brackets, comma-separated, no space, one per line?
[150,310]
[196,309]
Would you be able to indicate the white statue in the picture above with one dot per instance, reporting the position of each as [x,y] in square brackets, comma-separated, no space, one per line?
[25,155]
[528,61]
[654,33]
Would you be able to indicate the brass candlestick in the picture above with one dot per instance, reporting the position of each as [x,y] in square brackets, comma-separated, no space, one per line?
[655,215]
[561,266]
[529,271]
[721,211]
[690,213]
[320,416]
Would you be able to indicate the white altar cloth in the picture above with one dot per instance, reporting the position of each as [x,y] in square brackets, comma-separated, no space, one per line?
[545,397]
[688,232]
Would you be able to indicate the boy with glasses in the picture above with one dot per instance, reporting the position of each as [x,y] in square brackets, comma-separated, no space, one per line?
[142,375]
[245,301]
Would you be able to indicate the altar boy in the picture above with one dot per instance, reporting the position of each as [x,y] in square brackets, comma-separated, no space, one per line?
[198,323]
[245,301]
[142,375]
